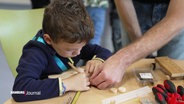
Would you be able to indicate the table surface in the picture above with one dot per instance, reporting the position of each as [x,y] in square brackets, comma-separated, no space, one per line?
[129,81]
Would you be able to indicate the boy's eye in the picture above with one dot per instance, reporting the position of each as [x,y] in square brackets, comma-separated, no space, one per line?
[70,50]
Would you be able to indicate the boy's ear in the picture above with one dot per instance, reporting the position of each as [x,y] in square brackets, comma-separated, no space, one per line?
[47,38]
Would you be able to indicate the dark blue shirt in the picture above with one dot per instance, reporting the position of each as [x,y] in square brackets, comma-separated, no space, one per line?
[37,62]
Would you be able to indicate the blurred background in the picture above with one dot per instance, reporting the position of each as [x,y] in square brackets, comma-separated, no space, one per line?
[15,4]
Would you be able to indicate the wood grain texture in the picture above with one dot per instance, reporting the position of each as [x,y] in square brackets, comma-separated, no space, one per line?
[170,67]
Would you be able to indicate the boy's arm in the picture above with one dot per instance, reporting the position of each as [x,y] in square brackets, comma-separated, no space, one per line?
[29,79]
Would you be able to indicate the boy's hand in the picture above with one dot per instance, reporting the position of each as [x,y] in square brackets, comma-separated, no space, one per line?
[78,82]
[92,65]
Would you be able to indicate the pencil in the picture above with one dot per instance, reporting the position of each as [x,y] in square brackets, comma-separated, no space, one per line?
[71,63]
[76,97]
[73,67]
[71,60]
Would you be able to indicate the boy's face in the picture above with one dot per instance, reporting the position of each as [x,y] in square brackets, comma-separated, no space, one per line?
[65,49]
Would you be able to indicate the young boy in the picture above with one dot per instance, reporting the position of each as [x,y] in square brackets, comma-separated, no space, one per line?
[66,30]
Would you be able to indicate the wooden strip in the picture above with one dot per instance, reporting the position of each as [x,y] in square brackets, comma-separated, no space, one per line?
[169,67]
[73,67]
[127,96]
[67,98]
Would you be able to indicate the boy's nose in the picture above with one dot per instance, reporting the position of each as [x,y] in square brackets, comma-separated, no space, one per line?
[75,53]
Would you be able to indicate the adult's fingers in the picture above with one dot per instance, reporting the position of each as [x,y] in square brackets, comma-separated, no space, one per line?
[96,72]
[87,67]
[97,80]
[105,85]
[91,69]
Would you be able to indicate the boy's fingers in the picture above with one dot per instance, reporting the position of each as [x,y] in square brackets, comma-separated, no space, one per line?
[81,70]
[87,88]
[88,83]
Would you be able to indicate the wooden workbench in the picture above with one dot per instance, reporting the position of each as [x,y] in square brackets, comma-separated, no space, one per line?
[95,96]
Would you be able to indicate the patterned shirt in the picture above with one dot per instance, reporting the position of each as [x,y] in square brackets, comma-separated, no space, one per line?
[96,3]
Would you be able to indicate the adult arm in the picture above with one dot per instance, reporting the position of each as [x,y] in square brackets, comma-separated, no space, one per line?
[128,17]
[112,71]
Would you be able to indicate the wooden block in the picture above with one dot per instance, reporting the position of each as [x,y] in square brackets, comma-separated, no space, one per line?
[114,90]
[122,89]
[120,98]
[170,67]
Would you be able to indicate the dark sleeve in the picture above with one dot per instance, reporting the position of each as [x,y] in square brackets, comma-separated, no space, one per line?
[89,50]
[31,66]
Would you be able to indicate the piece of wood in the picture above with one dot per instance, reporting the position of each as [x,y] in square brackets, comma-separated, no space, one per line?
[127,96]
[169,67]
[73,67]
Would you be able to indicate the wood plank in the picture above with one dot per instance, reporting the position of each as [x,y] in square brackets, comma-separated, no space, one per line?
[170,67]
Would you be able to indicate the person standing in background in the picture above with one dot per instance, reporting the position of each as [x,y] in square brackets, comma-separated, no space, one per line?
[138,16]
[97,10]
[115,23]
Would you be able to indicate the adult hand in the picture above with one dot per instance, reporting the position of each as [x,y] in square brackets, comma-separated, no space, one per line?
[108,74]
[92,65]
